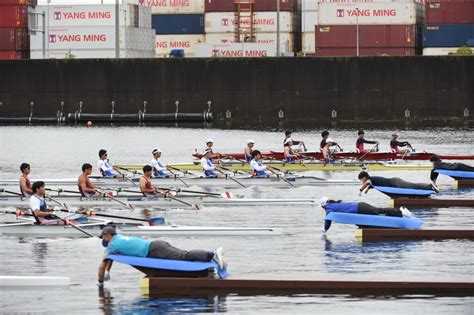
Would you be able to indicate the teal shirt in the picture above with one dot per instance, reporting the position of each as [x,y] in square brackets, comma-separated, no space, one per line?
[128,246]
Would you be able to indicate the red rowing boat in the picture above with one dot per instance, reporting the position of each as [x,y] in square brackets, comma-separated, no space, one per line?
[413,156]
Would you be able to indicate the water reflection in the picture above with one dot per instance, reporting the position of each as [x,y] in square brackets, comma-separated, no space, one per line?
[40,253]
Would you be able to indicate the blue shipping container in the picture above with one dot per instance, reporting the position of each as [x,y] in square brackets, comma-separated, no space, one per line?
[178,23]
[447,35]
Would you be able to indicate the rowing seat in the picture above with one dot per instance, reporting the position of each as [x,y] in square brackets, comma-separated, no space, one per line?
[165,268]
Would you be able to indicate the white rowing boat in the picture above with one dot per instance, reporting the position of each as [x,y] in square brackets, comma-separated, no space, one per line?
[34,281]
[28,228]
[228,182]
[161,202]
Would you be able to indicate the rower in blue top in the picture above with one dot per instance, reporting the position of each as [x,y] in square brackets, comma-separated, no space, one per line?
[378,181]
[133,246]
[290,155]
[159,168]
[358,208]
[249,150]
[106,168]
[207,166]
[258,168]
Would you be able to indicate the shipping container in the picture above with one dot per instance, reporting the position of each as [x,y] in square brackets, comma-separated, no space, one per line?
[14,39]
[439,51]
[308,42]
[165,43]
[92,54]
[449,12]
[172,6]
[312,5]
[178,23]
[10,55]
[239,50]
[448,35]
[225,22]
[287,40]
[309,19]
[384,13]
[260,5]
[364,52]
[95,15]
[18,2]
[13,16]
[369,36]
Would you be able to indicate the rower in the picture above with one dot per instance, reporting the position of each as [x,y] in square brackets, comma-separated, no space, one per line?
[106,169]
[395,144]
[360,208]
[159,169]
[371,181]
[328,152]
[361,140]
[295,142]
[134,246]
[209,145]
[206,164]
[290,156]
[25,183]
[258,168]
[438,164]
[249,151]
[324,135]
[84,184]
[146,187]
[42,214]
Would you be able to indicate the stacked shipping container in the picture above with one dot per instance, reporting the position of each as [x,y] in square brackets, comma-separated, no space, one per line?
[14,37]
[88,31]
[449,25]
[221,25]
[385,28]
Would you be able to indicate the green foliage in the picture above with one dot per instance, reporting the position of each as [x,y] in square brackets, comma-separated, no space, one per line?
[462,51]
[70,55]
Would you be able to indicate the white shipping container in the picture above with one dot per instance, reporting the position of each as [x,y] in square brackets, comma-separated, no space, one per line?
[165,43]
[439,51]
[91,53]
[225,22]
[286,39]
[172,6]
[94,15]
[312,5]
[385,13]
[309,20]
[308,44]
[239,50]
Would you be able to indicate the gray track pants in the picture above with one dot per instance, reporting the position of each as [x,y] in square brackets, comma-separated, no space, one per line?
[162,249]
[400,183]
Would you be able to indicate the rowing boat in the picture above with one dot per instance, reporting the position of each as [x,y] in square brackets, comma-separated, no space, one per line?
[316,155]
[300,166]
[161,202]
[29,229]
[228,182]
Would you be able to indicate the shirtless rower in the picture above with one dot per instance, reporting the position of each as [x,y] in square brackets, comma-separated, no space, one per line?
[25,183]
[290,155]
[86,188]
[249,150]
[328,152]
[395,144]
[106,169]
[159,169]
[146,187]
[324,135]
[361,140]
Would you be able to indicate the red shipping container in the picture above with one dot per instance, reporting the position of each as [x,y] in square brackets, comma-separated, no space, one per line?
[332,36]
[19,2]
[13,16]
[449,12]
[259,5]
[10,55]
[364,52]
[14,39]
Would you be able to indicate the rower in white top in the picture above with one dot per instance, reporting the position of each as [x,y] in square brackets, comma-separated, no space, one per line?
[106,169]
[159,169]
[258,168]
[248,151]
[207,166]
[39,208]
[209,145]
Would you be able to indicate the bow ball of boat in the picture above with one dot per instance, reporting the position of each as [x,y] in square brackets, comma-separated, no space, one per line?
[227,182]
[28,228]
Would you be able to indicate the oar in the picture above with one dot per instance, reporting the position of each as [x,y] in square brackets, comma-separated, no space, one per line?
[182,171]
[270,168]
[226,194]
[127,170]
[151,221]
[237,171]
[194,206]
[11,192]
[369,151]
[60,190]
[116,200]
[231,178]
[180,179]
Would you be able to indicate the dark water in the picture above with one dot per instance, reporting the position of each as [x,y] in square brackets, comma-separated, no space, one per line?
[301,249]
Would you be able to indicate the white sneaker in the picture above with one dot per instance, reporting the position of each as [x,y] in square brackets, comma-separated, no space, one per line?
[219,258]
[406,212]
